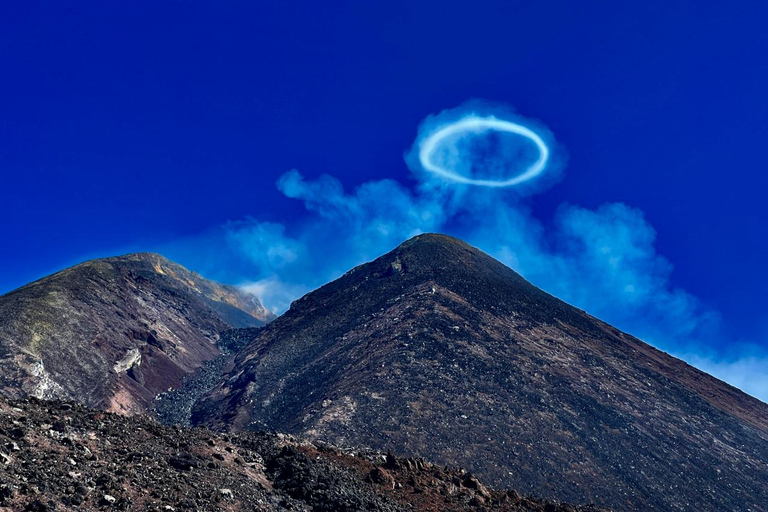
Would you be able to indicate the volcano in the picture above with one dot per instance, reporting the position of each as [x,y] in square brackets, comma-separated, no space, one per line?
[438,350]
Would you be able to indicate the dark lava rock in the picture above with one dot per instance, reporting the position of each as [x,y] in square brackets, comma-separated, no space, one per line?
[16,433]
[182,461]
[381,476]
[6,493]
[175,406]
[138,464]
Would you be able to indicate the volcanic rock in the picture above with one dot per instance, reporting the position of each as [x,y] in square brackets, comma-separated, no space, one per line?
[257,472]
[113,333]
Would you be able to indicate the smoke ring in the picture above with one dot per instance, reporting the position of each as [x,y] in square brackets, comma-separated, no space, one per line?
[478,124]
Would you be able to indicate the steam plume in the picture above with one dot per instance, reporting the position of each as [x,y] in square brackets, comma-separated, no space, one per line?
[474,169]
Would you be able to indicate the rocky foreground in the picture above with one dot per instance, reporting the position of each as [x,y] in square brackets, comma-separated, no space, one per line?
[61,456]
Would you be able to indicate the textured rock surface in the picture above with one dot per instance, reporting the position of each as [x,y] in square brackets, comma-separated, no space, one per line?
[112,333]
[174,407]
[438,350]
[58,456]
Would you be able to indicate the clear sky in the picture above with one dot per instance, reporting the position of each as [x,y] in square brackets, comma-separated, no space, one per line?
[154,125]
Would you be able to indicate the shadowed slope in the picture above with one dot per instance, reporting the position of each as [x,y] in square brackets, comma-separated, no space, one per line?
[437,349]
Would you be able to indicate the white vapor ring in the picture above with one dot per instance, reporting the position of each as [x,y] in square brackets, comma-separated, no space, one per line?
[478,125]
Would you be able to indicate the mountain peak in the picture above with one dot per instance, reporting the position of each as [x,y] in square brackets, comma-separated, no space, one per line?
[444,260]
[436,253]
[438,349]
[151,257]
[433,239]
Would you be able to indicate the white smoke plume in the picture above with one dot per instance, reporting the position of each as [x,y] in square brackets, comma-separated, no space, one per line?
[603,261]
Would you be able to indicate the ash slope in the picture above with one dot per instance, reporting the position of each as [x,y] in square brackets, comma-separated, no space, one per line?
[112,333]
[59,456]
[439,350]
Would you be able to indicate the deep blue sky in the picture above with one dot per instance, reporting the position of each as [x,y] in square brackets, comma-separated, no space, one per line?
[124,125]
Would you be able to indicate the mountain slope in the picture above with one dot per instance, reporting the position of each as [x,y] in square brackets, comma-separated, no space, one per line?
[114,332]
[439,350]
